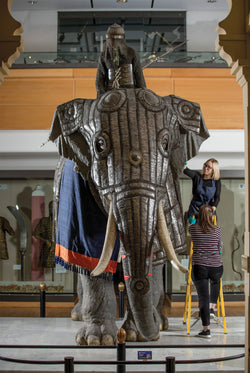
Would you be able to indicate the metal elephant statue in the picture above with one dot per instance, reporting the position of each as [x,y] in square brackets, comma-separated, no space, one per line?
[125,151]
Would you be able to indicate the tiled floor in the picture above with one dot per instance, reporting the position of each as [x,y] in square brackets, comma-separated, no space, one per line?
[61,331]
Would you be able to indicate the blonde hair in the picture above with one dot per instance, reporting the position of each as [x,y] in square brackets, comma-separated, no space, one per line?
[216,169]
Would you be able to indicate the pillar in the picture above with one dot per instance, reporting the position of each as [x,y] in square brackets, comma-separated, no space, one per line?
[233,45]
[11,43]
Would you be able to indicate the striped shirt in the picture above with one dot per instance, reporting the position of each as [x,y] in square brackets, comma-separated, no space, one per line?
[206,246]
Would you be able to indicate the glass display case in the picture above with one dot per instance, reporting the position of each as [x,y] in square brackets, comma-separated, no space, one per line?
[26,261]
[26,252]
[153,32]
[158,37]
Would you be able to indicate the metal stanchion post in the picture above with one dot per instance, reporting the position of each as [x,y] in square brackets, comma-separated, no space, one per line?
[68,364]
[121,350]
[42,299]
[121,288]
[22,265]
[170,364]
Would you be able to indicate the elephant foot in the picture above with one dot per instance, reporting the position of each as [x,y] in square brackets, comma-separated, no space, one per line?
[129,326]
[165,323]
[140,338]
[92,334]
[107,340]
[76,314]
[80,340]
[132,333]
[93,340]
[76,317]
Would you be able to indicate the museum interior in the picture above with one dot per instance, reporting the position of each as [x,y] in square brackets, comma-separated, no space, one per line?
[58,45]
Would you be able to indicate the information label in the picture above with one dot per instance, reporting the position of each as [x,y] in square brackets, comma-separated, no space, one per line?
[144,355]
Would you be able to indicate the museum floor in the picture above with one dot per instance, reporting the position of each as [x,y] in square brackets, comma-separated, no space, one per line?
[61,331]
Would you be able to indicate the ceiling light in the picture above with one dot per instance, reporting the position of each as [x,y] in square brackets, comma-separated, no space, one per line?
[33,2]
[122,1]
[211,1]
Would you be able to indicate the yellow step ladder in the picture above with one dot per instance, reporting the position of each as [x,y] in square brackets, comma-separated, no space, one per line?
[188,300]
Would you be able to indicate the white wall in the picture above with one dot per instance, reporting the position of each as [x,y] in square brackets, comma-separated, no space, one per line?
[40,30]
[201,30]
[21,150]
[227,146]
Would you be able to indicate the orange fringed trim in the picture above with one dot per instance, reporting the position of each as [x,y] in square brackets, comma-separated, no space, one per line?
[81,260]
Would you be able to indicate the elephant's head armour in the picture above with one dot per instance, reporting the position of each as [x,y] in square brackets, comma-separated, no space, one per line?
[131,140]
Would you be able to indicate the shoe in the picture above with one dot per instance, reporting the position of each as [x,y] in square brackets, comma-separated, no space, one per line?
[205,334]
[212,314]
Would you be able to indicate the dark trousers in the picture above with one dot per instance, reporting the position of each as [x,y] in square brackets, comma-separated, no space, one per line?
[202,276]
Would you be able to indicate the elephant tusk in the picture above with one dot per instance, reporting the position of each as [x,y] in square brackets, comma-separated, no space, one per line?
[166,242]
[108,245]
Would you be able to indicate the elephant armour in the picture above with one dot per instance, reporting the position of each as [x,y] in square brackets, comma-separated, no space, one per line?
[124,150]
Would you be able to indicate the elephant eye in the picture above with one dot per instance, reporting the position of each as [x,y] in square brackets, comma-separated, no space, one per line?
[164,142]
[101,145]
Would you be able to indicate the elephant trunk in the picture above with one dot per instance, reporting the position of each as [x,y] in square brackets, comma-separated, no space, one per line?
[141,304]
[137,217]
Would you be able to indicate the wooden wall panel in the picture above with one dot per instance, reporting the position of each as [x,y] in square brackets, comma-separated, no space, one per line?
[85,73]
[159,80]
[36,91]
[155,72]
[41,73]
[163,86]
[222,116]
[85,83]
[201,73]
[209,90]
[28,97]
[85,88]
[20,117]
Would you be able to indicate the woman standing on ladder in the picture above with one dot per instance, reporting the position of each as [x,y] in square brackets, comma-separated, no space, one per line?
[206,187]
[206,264]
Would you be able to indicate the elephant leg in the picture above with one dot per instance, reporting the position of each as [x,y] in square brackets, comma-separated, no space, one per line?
[158,295]
[158,299]
[99,312]
[76,313]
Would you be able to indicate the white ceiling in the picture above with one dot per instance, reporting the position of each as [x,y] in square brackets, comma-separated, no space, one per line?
[108,5]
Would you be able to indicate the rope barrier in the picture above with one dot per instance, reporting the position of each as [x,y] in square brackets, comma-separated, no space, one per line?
[120,362]
[134,346]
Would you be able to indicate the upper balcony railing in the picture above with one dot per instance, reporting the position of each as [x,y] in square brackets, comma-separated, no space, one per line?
[185,59]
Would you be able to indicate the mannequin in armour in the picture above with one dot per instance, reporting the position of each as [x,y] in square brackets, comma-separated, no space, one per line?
[4,227]
[119,65]
[43,232]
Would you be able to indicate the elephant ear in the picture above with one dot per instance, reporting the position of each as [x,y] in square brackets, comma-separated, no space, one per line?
[189,135]
[67,131]
[192,129]
[56,195]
